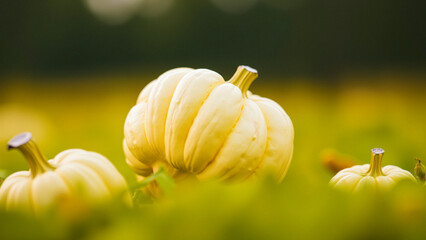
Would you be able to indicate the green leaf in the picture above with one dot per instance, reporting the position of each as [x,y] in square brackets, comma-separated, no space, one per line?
[164,180]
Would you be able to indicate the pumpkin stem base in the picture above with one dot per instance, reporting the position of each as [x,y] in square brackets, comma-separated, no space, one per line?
[243,78]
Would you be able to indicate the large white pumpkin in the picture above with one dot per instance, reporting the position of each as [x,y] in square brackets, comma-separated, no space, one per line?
[196,123]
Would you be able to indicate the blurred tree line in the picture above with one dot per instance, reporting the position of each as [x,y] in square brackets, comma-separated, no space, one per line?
[278,37]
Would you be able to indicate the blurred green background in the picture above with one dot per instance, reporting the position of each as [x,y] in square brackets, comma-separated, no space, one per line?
[351,75]
[291,37]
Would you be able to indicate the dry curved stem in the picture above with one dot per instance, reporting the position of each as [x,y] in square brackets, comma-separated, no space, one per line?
[420,170]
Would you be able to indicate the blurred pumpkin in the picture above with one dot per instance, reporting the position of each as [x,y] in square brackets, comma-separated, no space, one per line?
[196,124]
[335,161]
[72,173]
[370,176]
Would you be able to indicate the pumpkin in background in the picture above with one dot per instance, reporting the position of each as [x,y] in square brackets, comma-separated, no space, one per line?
[197,124]
[73,172]
[370,176]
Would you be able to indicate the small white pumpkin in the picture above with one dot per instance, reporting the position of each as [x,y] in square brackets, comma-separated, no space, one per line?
[73,172]
[370,176]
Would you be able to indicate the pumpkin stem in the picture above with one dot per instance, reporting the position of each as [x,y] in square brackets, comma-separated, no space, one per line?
[37,161]
[376,162]
[420,170]
[243,78]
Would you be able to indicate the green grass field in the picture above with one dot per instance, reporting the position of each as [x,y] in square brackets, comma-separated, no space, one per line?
[352,116]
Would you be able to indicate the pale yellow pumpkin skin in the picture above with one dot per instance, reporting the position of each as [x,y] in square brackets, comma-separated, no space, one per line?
[75,172]
[196,123]
[370,176]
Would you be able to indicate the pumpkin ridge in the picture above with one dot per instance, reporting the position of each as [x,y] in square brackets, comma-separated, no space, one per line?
[93,159]
[13,191]
[86,168]
[192,120]
[65,182]
[266,141]
[144,133]
[30,196]
[393,181]
[226,138]
[267,135]
[96,172]
[210,123]
[153,138]
[33,192]
[356,184]
[274,105]
[134,162]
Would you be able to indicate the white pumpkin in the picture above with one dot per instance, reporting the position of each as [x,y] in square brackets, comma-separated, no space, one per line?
[199,124]
[73,172]
[370,176]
